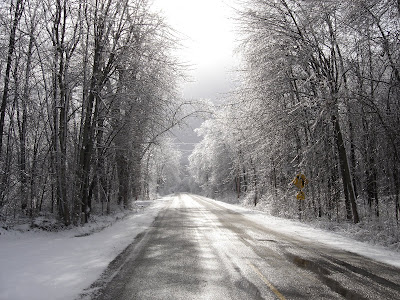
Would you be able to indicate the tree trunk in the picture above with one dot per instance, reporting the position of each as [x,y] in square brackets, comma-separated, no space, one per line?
[85,156]
[91,110]
[123,178]
[344,168]
[87,136]
[396,190]
[136,170]
[22,126]
[61,108]
[4,165]
[11,46]
[101,152]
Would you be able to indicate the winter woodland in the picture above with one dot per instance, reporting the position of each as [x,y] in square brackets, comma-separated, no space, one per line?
[89,92]
[319,95]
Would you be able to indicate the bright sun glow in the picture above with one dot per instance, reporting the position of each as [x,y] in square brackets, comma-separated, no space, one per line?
[207,33]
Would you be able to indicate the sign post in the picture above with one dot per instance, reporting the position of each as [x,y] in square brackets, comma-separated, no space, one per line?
[300,181]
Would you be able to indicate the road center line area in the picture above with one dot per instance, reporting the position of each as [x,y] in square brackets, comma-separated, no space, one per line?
[273,289]
[197,249]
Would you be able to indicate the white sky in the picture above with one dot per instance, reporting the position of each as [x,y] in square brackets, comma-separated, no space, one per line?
[207,31]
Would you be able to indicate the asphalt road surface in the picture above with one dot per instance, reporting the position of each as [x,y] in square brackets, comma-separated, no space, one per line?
[197,249]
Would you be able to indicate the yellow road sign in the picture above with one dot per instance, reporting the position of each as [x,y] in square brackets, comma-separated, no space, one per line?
[300,181]
[301,196]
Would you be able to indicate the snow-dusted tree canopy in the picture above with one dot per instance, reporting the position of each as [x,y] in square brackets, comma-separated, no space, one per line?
[320,95]
[88,90]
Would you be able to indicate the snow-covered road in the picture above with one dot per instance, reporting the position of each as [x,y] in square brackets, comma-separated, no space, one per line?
[198,248]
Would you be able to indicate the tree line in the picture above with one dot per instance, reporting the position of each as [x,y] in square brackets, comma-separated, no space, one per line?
[88,93]
[319,95]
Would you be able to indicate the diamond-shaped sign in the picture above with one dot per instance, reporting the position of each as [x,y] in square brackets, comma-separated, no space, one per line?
[300,181]
[301,196]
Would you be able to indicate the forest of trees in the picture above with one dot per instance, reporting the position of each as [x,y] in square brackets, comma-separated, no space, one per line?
[319,95]
[88,91]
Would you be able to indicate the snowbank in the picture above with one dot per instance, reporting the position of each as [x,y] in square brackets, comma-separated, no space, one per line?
[307,232]
[60,265]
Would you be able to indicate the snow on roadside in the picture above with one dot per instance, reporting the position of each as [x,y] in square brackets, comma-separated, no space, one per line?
[307,232]
[60,265]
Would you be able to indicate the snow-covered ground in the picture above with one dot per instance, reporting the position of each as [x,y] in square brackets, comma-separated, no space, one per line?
[60,265]
[305,231]
[38,265]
